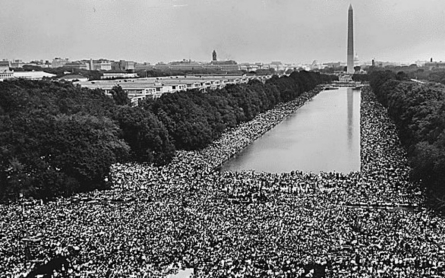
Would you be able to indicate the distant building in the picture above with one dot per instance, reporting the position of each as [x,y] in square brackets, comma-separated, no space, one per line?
[186,65]
[384,64]
[144,66]
[5,72]
[154,87]
[316,65]
[435,65]
[6,75]
[243,66]
[100,65]
[17,64]
[192,66]
[333,64]
[36,63]
[304,67]
[74,77]
[114,75]
[345,78]
[248,67]
[76,65]
[277,65]
[162,66]
[214,57]
[123,65]
[420,63]
[5,66]
[59,62]
[356,61]
[226,66]
[260,65]
[33,75]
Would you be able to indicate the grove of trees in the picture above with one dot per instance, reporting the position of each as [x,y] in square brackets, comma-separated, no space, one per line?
[57,138]
[414,72]
[418,110]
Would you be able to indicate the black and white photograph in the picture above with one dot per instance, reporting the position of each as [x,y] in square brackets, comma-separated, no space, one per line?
[222,138]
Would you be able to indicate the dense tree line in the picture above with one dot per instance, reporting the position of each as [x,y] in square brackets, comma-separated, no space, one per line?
[175,72]
[419,113]
[415,72]
[62,71]
[360,77]
[57,138]
[194,119]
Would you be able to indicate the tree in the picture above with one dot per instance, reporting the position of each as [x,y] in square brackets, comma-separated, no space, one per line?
[146,135]
[360,77]
[57,138]
[120,97]
[58,155]
[418,111]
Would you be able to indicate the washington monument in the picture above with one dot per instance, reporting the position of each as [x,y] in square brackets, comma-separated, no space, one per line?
[350,61]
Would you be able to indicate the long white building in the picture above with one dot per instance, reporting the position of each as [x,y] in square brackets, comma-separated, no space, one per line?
[154,87]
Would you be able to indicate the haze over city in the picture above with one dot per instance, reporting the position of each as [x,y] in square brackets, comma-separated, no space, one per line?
[245,31]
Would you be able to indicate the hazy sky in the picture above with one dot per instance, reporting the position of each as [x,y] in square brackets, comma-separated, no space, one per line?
[244,30]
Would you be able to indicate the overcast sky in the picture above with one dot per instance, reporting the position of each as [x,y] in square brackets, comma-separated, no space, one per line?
[297,31]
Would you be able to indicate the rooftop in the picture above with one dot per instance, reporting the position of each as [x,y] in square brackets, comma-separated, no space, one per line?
[73,76]
[32,74]
[151,82]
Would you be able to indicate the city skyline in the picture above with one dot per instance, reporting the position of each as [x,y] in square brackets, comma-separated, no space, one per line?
[245,31]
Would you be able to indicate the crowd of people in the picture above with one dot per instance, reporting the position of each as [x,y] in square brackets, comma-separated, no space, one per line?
[189,215]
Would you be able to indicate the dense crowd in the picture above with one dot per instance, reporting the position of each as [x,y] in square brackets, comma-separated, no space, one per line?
[157,220]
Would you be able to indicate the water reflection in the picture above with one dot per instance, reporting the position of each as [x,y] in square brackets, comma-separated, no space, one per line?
[323,135]
[350,100]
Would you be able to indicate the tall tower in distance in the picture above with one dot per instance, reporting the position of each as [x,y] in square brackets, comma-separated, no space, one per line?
[214,56]
[350,59]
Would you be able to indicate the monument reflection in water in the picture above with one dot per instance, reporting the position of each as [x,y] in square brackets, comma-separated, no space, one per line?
[323,135]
